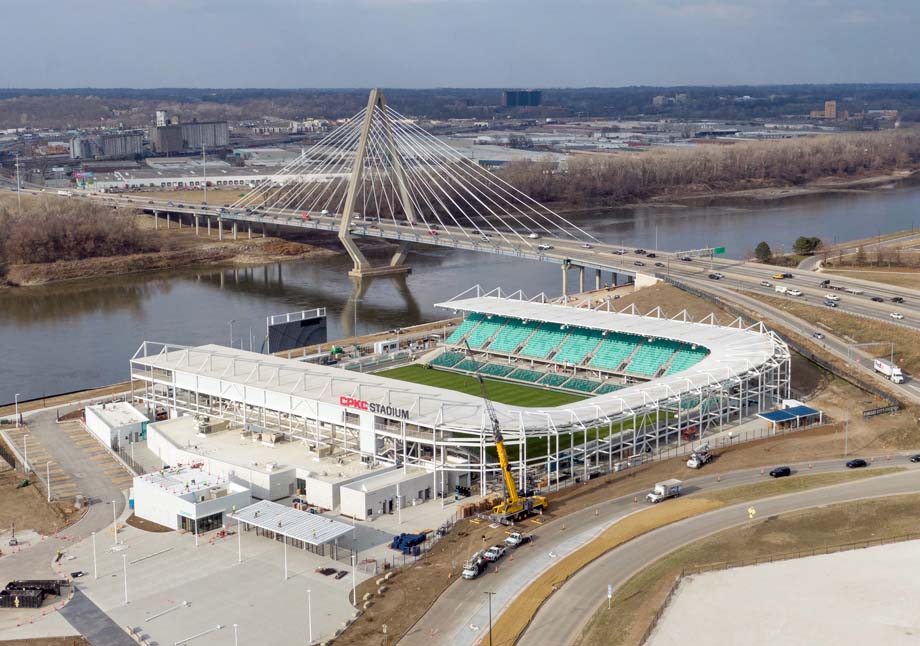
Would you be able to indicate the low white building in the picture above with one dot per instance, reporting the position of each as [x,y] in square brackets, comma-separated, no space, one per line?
[187,498]
[116,424]
[384,493]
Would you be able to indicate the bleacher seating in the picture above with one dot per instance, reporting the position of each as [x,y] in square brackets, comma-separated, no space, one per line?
[581,385]
[466,325]
[614,350]
[578,345]
[523,374]
[650,356]
[469,365]
[484,331]
[607,387]
[686,357]
[496,369]
[447,359]
[553,380]
[544,340]
[514,334]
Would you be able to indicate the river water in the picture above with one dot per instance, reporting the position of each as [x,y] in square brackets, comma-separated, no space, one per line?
[81,334]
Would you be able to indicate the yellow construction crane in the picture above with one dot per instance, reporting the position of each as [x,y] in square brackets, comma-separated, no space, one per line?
[513,507]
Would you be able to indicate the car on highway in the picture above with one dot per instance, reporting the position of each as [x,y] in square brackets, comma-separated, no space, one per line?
[484,238]
[877,299]
[818,335]
[170,204]
[897,299]
[150,202]
[533,236]
[766,283]
[857,463]
[832,297]
[780,472]
[830,303]
[651,255]
[305,216]
[686,259]
[714,276]
[432,232]
[779,276]
[639,263]
[897,316]
[659,264]
[719,274]
[824,283]
[586,246]
[915,457]
[324,212]
[619,252]
[640,252]
[544,247]
[794,292]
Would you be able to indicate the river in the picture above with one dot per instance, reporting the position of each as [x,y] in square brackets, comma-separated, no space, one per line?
[81,334]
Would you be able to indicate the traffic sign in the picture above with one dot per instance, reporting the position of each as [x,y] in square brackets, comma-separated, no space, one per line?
[609,590]
[719,251]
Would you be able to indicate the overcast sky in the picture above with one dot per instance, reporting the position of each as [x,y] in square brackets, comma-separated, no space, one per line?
[456,43]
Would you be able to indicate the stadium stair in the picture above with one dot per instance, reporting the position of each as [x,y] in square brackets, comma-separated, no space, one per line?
[578,345]
[466,326]
[651,356]
[544,340]
[484,332]
[614,350]
[512,336]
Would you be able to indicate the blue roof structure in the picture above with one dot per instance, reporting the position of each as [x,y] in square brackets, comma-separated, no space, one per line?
[789,414]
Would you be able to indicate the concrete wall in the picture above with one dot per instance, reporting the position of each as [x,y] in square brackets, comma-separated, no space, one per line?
[357,503]
[161,507]
[327,495]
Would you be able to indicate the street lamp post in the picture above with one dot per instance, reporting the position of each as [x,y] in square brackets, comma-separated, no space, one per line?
[232,321]
[16,405]
[236,641]
[310,615]
[95,567]
[124,562]
[490,595]
[354,584]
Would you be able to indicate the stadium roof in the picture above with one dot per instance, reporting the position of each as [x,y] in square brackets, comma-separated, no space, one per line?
[733,351]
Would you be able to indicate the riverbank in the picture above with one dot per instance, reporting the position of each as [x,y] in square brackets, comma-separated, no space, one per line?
[180,248]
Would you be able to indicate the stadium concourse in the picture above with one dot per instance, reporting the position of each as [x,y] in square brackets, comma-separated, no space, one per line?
[600,387]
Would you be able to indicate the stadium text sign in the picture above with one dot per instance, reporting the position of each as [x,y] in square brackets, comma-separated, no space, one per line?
[370,407]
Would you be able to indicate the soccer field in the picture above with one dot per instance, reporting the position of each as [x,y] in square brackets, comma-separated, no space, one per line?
[499,391]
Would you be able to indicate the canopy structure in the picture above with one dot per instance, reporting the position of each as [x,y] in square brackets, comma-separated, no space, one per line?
[795,416]
[297,525]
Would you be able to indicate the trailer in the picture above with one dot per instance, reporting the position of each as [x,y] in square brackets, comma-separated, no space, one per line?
[664,490]
[889,369]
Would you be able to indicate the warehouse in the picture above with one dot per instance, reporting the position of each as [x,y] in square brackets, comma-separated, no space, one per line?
[116,424]
[187,498]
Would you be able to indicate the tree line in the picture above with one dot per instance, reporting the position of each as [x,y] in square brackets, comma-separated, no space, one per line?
[50,229]
[630,177]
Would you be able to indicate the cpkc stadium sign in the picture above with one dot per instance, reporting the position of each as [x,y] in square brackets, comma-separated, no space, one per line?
[371,407]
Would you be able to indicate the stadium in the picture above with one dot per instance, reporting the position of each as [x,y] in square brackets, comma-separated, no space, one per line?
[577,391]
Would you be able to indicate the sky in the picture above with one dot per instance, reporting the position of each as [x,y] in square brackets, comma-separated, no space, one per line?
[456,43]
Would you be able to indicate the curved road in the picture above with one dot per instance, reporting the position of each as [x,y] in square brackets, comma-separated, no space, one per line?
[565,614]
[461,612]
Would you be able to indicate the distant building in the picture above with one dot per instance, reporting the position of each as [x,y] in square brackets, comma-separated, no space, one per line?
[162,118]
[186,137]
[659,100]
[521,98]
[830,110]
[122,145]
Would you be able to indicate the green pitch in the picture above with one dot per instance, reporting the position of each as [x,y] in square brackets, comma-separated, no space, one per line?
[500,391]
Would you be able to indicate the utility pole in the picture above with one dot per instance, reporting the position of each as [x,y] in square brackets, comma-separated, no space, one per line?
[18,186]
[204,170]
[490,595]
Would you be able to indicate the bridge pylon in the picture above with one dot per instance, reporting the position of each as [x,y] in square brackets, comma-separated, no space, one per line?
[376,107]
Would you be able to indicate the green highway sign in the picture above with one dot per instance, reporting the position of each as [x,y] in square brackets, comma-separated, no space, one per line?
[718,251]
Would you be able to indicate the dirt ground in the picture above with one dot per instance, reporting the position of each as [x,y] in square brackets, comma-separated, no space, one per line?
[146,525]
[672,301]
[897,276]
[27,508]
[636,603]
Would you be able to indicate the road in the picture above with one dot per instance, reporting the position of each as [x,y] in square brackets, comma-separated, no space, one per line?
[460,613]
[565,614]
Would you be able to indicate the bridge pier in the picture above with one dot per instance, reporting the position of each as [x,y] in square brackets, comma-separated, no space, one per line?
[263,229]
[250,230]
[196,224]
[565,280]
[597,279]
[581,280]
[208,220]
[220,228]
[179,220]
[168,219]
[234,229]
[156,221]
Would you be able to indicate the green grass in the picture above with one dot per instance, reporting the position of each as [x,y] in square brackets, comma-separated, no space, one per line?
[499,391]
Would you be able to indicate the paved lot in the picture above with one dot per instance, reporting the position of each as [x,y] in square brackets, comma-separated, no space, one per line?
[847,599]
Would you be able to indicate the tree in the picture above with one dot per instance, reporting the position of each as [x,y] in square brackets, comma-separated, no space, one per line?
[806,245]
[762,252]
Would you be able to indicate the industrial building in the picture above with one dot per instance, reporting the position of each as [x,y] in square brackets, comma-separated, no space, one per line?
[521,98]
[187,498]
[107,146]
[648,381]
[116,424]
[188,137]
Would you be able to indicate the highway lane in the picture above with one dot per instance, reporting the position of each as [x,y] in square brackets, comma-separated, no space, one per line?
[460,613]
[564,615]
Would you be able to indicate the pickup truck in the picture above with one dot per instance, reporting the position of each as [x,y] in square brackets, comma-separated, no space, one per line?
[664,490]
[516,539]
[494,553]
[475,566]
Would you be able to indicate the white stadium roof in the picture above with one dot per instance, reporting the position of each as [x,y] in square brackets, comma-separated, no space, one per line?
[733,351]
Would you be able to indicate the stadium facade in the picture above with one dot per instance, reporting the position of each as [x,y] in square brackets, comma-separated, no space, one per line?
[646,382]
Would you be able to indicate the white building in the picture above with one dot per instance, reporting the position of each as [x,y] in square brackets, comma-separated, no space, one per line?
[115,424]
[187,498]
[385,493]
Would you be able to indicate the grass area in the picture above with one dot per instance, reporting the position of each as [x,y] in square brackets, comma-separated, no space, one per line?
[505,392]
[636,602]
[906,342]
[897,276]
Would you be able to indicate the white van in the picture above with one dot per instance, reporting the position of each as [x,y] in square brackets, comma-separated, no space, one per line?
[781,289]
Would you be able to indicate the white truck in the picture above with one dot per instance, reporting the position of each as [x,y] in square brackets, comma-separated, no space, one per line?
[475,566]
[664,490]
[781,289]
[890,370]
[699,457]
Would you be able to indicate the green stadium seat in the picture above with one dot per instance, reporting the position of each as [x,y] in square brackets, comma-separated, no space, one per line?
[578,345]
[447,359]
[522,374]
[581,385]
[465,327]
[544,340]
[614,350]
[553,380]
[651,356]
[607,387]
[468,365]
[512,335]
[496,369]
[486,329]
[686,357]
